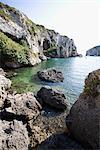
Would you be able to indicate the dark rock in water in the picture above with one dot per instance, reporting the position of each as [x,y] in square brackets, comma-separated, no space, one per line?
[95,51]
[13,135]
[84,118]
[50,75]
[53,97]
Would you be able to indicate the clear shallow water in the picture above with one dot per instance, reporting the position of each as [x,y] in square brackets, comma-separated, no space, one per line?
[75,71]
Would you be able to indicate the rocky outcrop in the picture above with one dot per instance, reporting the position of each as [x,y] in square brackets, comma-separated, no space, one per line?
[53,97]
[50,75]
[84,118]
[23,43]
[95,51]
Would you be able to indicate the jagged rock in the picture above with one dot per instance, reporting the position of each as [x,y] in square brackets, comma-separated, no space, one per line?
[51,75]
[95,51]
[53,97]
[13,135]
[23,105]
[84,117]
[29,40]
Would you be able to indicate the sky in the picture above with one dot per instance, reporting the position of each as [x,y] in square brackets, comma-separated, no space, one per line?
[78,19]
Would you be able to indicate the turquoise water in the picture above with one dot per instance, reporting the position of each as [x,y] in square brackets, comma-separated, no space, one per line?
[75,71]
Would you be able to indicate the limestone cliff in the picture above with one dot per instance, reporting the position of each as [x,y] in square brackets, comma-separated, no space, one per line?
[95,51]
[23,42]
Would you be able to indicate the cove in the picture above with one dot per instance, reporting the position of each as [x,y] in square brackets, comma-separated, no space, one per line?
[74,69]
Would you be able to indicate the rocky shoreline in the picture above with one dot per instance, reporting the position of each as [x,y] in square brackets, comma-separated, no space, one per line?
[31,122]
[26,123]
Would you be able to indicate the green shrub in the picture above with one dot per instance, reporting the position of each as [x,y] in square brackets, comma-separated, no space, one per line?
[11,50]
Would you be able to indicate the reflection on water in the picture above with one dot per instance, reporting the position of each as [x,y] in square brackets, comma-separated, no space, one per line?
[75,71]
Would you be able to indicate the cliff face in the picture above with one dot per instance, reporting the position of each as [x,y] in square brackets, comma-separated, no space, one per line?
[95,51]
[29,42]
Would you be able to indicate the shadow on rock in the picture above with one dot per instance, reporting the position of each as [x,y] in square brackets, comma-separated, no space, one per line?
[60,142]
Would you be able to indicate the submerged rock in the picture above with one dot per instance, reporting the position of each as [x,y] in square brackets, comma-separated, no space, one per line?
[50,75]
[13,135]
[53,97]
[84,118]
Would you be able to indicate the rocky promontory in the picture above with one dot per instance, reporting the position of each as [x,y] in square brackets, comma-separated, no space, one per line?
[24,43]
[95,51]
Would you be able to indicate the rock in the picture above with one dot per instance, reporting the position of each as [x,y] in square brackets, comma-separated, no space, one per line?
[23,105]
[95,51]
[4,82]
[2,72]
[43,57]
[84,117]
[50,75]
[60,141]
[38,136]
[13,135]
[53,97]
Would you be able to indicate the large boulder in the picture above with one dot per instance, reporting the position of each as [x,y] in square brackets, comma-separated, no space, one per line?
[53,97]
[13,135]
[50,75]
[84,118]
[23,105]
